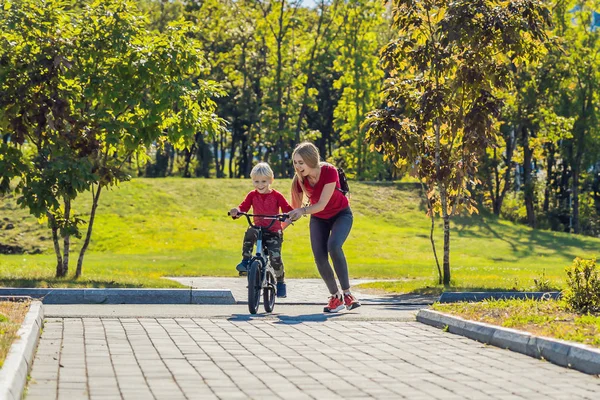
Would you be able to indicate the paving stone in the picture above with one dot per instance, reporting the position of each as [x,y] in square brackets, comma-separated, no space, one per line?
[207,358]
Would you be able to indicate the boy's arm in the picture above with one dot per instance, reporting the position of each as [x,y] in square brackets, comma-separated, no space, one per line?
[247,203]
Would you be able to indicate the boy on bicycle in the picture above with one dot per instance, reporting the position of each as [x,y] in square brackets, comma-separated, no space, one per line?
[264,201]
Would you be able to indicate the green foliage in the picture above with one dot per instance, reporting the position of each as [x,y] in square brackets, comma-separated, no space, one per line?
[542,283]
[447,71]
[583,286]
[359,81]
[83,91]
[542,318]
[292,71]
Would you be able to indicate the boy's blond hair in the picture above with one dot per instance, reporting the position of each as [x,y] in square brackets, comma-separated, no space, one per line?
[262,169]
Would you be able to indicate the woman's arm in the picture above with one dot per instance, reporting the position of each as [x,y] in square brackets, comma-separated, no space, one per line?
[320,205]
[295,194]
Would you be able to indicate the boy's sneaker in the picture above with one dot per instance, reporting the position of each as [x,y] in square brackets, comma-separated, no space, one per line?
[242,267]
[350,301]
[335,304]
[281,289]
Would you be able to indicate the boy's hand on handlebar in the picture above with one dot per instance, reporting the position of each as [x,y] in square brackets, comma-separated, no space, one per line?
[233,212]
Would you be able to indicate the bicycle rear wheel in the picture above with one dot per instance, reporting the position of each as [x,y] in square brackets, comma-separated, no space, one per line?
[269,292]
[254,286]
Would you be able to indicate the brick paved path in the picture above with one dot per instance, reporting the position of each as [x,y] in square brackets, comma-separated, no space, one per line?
[264,358]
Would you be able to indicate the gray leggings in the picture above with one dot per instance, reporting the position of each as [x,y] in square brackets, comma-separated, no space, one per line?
[327,237]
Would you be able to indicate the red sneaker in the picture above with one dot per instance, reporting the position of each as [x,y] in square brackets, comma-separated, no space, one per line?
[335,304]
[350,301]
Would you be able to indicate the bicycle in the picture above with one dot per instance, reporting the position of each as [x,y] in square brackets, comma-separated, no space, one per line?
[261,275]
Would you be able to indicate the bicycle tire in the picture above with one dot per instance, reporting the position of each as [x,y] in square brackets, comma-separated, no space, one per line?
[269,293]
[254,286]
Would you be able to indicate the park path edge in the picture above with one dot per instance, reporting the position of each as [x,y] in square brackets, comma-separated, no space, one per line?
[13,374]
[567,354]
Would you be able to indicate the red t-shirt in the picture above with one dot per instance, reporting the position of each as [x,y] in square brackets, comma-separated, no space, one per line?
[336,203]
[265,204]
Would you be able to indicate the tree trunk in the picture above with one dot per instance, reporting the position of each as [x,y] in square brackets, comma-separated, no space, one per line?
[511,143]
[444,204]
[188,156]
[282,168]
[203,156]
[232,173]
[67,239]
[170,150]
[446,218]
[59,261]
[430,207]
[549,176]
[216,155]
[575,194]
[528,184]
[493,183]
[95,197]
[222,156]
[437,262]
[596,188]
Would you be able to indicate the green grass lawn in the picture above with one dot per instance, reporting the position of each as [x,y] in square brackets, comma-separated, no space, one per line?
[149,228]
[542,318]
[12,315]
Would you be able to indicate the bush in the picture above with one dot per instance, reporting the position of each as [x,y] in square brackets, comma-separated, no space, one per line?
[542,284]
[583,286]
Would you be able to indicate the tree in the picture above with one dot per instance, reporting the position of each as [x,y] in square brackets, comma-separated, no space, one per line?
[360,80]
[96,89]
[446,71]
[579,90]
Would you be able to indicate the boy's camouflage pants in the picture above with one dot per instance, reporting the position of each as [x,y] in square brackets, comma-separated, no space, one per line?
[272,241]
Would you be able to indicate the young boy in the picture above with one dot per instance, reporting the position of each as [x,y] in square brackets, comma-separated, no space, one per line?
[265,201]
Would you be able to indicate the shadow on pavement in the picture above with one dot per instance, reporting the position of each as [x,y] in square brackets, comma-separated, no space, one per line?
[285,319]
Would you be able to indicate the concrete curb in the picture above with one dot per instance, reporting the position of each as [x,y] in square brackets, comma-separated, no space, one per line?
[454,297]
[124,296]
[13,375]
[572,355]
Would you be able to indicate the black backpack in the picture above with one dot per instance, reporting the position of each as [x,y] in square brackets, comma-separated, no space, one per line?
[344,188]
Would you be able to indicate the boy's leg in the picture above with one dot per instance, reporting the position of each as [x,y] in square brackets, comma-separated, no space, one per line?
[249,239]
[273,242]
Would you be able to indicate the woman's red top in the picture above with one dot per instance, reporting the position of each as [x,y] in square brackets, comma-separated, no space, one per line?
[338,200]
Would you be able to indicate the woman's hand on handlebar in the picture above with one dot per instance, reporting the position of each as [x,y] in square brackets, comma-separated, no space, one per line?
[296,214]
[234,213]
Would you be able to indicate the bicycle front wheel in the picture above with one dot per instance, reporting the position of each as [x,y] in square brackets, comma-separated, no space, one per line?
[254,286]
[269,292]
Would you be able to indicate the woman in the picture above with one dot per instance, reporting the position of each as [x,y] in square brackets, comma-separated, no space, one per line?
[330,221]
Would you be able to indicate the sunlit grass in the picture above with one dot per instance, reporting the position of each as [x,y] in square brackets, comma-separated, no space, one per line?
[543,318]
[150,228]
[12,315]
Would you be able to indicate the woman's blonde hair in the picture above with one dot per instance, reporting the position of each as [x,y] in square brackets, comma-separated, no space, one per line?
[262,169]
[311,157]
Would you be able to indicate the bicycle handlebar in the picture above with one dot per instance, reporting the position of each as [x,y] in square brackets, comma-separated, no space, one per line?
[273,218]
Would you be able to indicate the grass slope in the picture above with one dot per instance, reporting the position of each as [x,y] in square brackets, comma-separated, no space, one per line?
[150,228]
